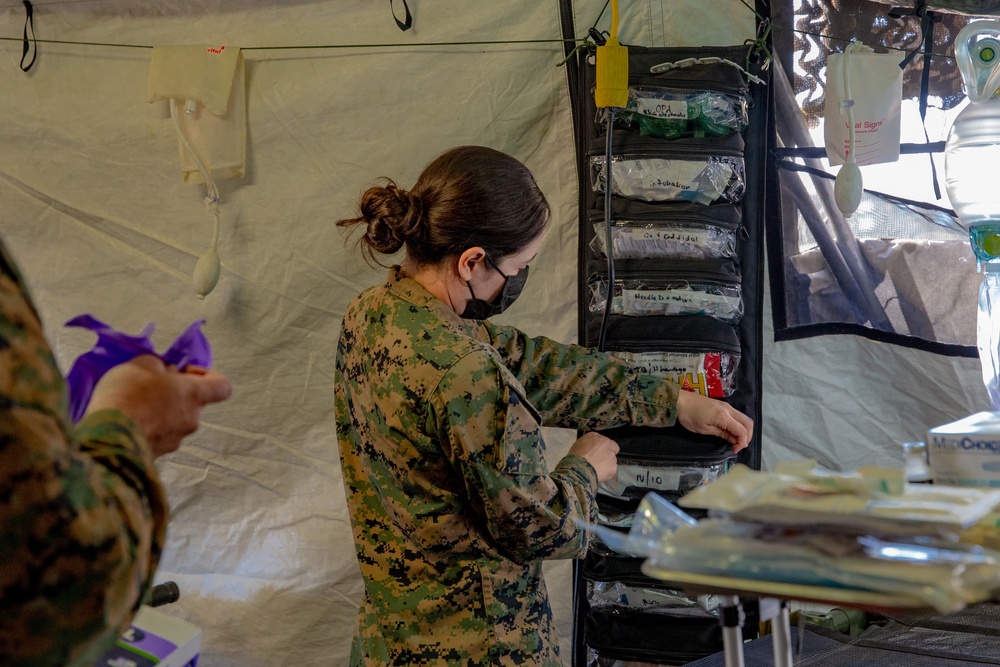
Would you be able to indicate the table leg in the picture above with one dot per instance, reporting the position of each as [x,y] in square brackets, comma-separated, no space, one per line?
[781,638]
[732,630]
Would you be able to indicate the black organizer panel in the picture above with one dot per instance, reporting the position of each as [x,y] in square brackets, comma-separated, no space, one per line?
[625,633]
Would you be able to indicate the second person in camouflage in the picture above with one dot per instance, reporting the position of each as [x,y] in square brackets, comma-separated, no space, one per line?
[452,504]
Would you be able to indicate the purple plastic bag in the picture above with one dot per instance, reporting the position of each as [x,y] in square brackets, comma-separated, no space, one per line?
[114,347]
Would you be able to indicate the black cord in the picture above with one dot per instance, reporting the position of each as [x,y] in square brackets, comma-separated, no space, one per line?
[607,232]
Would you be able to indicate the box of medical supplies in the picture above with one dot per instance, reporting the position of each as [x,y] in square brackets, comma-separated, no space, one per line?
[966,452]
[155,638]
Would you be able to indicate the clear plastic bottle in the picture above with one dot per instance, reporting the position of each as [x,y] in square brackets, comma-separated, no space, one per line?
[988,330]
[972,148]
[973,144]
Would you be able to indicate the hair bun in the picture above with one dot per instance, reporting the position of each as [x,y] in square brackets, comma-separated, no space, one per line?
[409,213]
[392,217]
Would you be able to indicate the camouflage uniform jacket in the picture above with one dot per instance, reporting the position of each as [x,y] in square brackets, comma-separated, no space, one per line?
[451,502]
[82,513]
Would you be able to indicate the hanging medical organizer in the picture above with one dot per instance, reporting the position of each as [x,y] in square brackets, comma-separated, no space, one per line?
[686,300]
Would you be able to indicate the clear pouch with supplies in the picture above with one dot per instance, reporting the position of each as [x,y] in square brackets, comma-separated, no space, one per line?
[649,599]
[710,373]
[636,477]
[684,97]
[700,171]
[707,287]
[672,113]
[668,231]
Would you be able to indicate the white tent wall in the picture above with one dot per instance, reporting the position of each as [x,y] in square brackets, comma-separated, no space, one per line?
[94,209]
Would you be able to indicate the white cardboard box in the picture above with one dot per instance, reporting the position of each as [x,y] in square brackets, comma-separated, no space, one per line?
[966,452]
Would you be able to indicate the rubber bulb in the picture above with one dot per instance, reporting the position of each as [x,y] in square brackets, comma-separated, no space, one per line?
[206,273]
[847,188]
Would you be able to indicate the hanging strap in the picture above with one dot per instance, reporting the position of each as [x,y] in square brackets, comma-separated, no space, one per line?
[29,22]
[927,21]
[407,21]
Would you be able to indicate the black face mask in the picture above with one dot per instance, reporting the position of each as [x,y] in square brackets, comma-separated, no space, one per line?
[478,309]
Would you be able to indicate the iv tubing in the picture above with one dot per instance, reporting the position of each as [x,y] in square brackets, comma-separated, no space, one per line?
[212,200]
[607,232]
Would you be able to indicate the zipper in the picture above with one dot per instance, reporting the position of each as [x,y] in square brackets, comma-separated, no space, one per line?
[669,219]
[633,146]
[716,272]
[721,79]
[699,345]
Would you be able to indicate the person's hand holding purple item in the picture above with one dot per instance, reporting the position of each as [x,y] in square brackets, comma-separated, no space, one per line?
[163,393]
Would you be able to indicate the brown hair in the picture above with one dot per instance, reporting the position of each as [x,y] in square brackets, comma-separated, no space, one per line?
[468,196]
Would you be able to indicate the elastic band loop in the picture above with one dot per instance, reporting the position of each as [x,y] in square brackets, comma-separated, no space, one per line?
[407,22]
[29,21]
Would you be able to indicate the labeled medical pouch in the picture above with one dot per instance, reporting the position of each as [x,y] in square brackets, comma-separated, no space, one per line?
[668,231]
[690,98]
[701,171]
[670,479]
[671,114]
[683,332]
[705,371]
[688,287]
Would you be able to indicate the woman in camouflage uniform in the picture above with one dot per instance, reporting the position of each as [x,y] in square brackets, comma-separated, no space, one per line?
[439,412]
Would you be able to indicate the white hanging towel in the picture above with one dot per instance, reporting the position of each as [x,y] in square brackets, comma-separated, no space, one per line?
[205,86]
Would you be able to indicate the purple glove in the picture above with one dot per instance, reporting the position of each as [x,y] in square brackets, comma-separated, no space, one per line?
[114,347]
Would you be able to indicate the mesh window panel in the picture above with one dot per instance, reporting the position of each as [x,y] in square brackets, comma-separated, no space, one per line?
[900,269]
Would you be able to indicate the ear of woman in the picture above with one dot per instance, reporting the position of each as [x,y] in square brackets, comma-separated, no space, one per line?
[468,261]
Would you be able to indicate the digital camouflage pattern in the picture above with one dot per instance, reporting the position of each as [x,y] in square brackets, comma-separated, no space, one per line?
[82,513]
[452,504]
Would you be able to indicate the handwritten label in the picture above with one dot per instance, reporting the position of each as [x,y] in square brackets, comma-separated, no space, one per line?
[681,301]
[659,108]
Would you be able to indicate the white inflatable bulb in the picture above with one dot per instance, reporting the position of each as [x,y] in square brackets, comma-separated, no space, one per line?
[206,273]
[847,188]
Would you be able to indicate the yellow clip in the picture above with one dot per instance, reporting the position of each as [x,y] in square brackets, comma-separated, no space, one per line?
[612,69]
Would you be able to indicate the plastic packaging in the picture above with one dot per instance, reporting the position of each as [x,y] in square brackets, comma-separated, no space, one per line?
[707,373]
[940,574]
[873,500]
[635,478]
[988,331]
[669,113]
[699,179]
[666,240]
[615,594]
[724,302]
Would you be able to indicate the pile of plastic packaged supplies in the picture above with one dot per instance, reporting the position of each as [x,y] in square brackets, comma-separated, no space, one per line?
[805,527]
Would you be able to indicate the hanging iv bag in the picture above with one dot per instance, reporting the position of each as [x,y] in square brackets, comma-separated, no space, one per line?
[971,151]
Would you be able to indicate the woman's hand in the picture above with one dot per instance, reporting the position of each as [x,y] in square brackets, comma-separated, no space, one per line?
[600,452]
[709,416]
